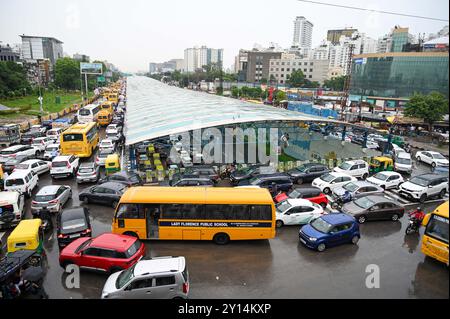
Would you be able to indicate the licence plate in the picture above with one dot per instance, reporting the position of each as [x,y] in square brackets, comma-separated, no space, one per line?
[74,236]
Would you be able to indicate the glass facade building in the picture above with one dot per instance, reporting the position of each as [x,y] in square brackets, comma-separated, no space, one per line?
[399,74]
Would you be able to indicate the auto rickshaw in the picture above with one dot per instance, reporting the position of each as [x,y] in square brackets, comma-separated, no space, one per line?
[28,235]
[1,177]
[112,164]
[381,163]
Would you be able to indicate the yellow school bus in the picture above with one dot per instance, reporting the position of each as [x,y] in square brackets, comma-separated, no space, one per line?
[104,117]
[80,139]
[107,106]
[435,238]
[219,214]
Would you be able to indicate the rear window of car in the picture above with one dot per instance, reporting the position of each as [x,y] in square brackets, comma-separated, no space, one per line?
[59,164]
[84,170]
[14,181]
[133,249]
[45,198]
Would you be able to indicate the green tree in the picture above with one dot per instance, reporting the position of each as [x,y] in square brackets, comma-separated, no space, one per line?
[336,83]
[280,96]
[13,80]
[297,79]
[430,108]
[67,73]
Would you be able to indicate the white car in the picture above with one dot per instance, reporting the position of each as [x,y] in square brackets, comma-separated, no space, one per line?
[37,166]
[51,151]
[40,143]
[101,157]
[38,129]
[12,151]
[113,134]
[328,182]
[372,145]
[297,212]
[386,179]
[64,166]
[106,144]
[11,202]
[22,181]
[432,158]
[423,186]
[403,163]
[356,168]
[54,133]
[396,149]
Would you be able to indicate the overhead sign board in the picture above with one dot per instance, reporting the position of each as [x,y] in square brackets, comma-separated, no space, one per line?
[91,68]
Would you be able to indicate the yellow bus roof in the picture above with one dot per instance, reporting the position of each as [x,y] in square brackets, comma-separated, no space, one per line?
[80,128]
[196,195]
[27,228]
[442,210]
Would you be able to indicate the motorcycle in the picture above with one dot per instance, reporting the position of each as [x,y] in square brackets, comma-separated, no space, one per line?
[45,216]
[341,200]
[414,226]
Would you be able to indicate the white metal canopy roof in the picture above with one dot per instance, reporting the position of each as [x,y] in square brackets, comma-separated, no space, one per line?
[155,109]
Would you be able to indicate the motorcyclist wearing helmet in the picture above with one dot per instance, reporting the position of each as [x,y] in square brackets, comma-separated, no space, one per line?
[347,197]
[418,215]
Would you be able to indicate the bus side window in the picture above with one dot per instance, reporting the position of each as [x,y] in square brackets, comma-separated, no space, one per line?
[133,211]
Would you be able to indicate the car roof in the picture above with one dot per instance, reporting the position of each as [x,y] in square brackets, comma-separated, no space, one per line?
[403,155]
[75,212]
[358,161]
[337,218]
[159,264]
[49,189]
[40,138]
[112,185]
[21,173]
[31,161]
[273,175]
[307,190]
[363,183]
[113,241]
[61,158]
[389,173]
[6,197]
[381,199]
[432,152]
[429,176]
[338,174]
[52,145]
[87,165]
[299,202]
[13,148]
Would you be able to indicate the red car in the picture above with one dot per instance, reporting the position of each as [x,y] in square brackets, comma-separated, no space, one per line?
[313,194]
[107,252]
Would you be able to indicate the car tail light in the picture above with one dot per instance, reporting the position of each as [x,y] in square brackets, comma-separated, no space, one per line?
[34,202]
[87,231]
[185,288]
[62,236]
[54,201]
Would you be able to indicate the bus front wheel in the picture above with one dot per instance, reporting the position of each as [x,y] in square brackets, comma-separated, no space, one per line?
[221,239]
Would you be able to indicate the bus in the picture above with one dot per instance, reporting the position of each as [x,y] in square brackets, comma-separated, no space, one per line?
[104,118]
[107,106]
[80,139]
[89,113]
[435,238]
[219,214]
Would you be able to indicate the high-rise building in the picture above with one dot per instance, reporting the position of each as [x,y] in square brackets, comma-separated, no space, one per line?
[8,53]
[302,32]
[38,48]
[81,57]
[334,35]
[281,69]
[195,58]
[399,38]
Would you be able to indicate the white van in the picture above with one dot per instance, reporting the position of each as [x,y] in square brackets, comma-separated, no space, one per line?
[11,208]
[403,163]
[23,181]
[89,113]
[54,133]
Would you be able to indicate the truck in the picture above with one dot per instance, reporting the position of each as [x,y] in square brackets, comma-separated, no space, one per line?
[62,123]
[9,134]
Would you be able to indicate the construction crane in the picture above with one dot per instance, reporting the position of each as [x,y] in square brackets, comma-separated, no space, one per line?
[348,72]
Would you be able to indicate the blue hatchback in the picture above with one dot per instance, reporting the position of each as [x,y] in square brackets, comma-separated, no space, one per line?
[330,230]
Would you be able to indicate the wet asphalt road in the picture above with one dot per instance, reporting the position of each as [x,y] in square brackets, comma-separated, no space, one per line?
[277,268]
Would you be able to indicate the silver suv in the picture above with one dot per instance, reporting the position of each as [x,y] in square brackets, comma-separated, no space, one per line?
[154,278]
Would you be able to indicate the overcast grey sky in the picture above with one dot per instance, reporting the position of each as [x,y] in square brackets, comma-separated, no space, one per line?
[133,33]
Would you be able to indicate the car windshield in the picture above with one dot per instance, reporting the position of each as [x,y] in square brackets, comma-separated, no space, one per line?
[294,194]
[364,202]
[327,177]
[381,176]
[405,161]
[419,181]
[345,166]
[14,182]
[71,225]
[59,164]
[321,225]
[438,156]
[283,206]
[351,187]
[255,181]
[125,277]
[302,169]
[44,198]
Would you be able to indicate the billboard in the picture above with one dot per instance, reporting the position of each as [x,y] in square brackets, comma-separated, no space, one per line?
[91,68]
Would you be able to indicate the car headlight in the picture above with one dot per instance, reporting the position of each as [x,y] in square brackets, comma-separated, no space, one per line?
[312,239]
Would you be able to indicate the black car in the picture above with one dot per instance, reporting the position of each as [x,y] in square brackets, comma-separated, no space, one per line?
[11,164]
[192,180]
[273,182]
[307,172]
[108,193]
[203,171]
[72,224]
[249,172]
[128,179]
[27,138]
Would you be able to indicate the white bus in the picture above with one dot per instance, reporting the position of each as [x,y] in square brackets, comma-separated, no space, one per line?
[89,113]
